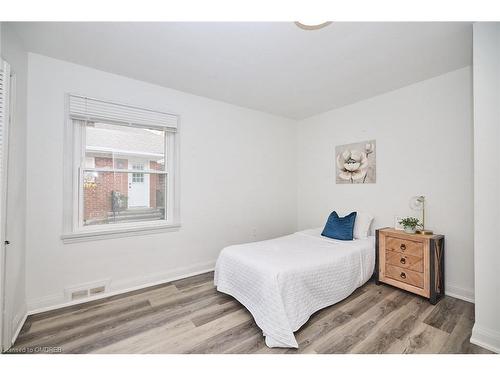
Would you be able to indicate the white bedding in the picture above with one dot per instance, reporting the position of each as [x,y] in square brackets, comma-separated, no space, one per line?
[283,281]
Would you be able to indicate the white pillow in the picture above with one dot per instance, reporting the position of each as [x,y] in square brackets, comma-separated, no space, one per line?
[362,225]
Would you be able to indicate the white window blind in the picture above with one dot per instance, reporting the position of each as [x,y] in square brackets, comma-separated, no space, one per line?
[94,110]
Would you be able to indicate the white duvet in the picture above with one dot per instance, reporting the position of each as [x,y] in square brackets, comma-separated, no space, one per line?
[283,281]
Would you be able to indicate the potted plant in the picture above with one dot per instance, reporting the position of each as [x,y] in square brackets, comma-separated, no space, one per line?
[410,224]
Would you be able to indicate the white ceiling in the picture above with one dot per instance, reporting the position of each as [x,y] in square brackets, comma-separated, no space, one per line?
[272,67]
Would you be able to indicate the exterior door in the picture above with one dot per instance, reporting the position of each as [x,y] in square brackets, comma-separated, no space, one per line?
[138,185]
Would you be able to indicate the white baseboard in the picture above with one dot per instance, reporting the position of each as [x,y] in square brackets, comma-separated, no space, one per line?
[460,293]
[486,338]
[56,301]
[44,302]
[17,324]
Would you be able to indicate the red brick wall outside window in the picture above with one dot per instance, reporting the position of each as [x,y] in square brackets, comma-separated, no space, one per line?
[97,190]
[97,195]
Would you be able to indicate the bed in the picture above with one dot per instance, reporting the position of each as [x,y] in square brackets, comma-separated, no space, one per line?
[283,281]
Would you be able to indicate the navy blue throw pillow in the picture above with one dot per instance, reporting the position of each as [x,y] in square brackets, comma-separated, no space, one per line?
[340,228]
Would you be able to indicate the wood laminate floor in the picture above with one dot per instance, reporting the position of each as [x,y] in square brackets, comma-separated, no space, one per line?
[190,316]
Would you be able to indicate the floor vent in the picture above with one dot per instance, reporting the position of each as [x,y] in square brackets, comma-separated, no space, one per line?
[86,290]
[97,290]
[77,294]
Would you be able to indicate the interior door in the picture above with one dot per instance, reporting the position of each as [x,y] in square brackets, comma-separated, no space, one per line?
[138,186]
[5,308]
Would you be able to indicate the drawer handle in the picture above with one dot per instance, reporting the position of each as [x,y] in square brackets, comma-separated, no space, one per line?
[403,275]
[403,247]
[402,261]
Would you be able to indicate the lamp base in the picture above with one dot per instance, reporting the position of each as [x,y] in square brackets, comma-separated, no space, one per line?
[424,231]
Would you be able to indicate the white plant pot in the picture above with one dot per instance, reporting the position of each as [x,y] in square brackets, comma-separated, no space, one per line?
[410,230]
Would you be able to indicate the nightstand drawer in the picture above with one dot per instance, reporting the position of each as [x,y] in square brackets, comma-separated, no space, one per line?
[405,276]
[412,262]
[407,261]
[404,246]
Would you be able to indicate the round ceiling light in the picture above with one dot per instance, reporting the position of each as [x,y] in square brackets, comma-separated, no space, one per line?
[312,25]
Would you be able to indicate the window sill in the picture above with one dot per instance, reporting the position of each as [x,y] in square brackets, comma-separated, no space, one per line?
[119,232]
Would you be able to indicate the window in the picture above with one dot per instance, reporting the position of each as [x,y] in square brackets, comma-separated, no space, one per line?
[123,175]
[138,177]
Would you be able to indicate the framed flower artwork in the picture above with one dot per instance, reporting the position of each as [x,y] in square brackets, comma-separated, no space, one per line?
[356,163]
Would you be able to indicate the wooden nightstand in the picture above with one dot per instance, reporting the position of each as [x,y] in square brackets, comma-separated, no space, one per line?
[413,262]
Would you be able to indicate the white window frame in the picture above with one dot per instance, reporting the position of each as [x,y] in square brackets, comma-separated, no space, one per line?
[74,166]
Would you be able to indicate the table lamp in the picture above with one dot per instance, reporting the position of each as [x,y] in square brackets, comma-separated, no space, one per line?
[417,203]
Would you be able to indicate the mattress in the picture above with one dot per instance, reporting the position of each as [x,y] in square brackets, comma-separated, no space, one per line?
[283,281]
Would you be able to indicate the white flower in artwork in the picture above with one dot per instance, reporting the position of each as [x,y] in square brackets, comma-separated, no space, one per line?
[352,164]
[356,163]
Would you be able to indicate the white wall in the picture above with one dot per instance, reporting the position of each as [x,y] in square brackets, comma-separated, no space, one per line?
[239,175]
[486,331]
[238,184]
[424,146]
[15,297]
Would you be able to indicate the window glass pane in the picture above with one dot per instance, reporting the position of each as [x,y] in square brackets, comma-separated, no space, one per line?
[123,197]
[123,147]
